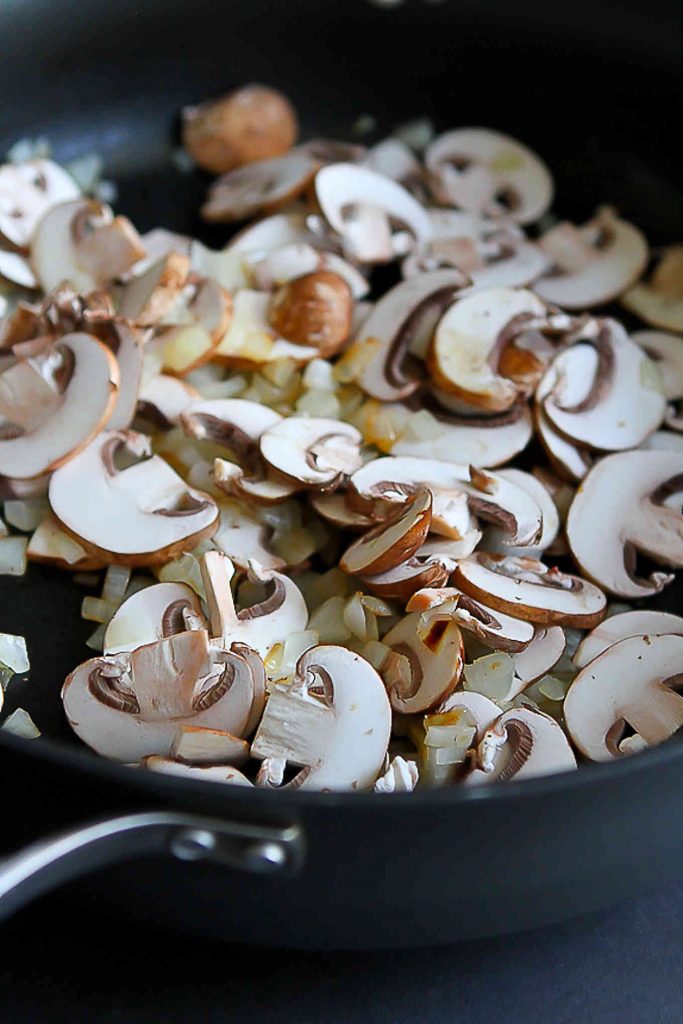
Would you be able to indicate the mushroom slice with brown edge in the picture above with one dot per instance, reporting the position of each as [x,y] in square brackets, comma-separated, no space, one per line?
[152,614]
[484,171]
[666,350]
[126,345]
[316,452]
[163,399]
[495,540]
[469,340]
[84,244]
[623,507]
[659,300]
[526,588]
[424,664]
[223,773]
[413,574]
[27,191]
[126,706]
[404,318]
[392,542]
[521,744]
[496,629]
[361,206]
[149,297]
[77,410]
[620,627]
[630,686]
[315,310]
[260,488]
[567,459]
[333,721]
[143,514]
[243,538]
[282,611]
[603,392]
[260,187]
[335,509]
[541,655]
[591,264]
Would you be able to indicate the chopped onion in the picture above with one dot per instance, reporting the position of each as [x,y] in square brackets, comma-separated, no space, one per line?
[26,514]
[319,376]
[13,653]
[116,582]
[416,134]
[373,651]
[355,618]
[492,675]
[295,546]
[317,402]
[20,723]
[553,688]
[230,388]
[183,570]
[94,609]
[13,556]
[282,660]
[328,621]
[85,579]
[401,776]
[96,640]
[3,529]
[86,170]
[423,426]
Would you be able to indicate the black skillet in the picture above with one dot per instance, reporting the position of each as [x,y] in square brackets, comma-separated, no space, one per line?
[594,88]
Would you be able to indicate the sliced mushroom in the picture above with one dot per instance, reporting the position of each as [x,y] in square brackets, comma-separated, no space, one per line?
[592,264]
[521,744]
[147,298]
[392,542]
[604,391]
[413,574]
[632,685]
[126,345]
[314,451]
[260,488]
[75,412]
[198,326]
[250,339]
[666,350]
[314,310]
[394,159]
[424,664]
[16,269]
[284,264]
[620,627]
[478,711]
[27,191]
[495,540]
[623,507]
[335,509]
[541,655]
[243,538]
[163,399]
[567,459]
[494,628]
[526,588]
[141,515]
[154,613]
[659,301]
[203,773]
[333,721]
[484,171]
[127,706]
[83,243]
[260,187]
[263,236]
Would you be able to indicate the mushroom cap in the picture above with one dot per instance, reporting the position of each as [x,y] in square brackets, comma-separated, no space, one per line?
[632,683]
[522,744]
[127,706]
[243,538]
[620,627]
[151,614]
[412,575]
[424,665]
[141,515]
[251,341]
[27,191]
[526,588]
[392,542]
[333,720]
[85,405]
[475,167]
[313,450]
[621,508]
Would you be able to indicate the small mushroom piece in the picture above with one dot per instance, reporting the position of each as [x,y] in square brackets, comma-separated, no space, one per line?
[163,399]
[620,627]
[591,264]
[75,412]
[495,540]
[316,310]
[569,460]
[624,506]
[392,542]
[496,629]
[469,340]
[630,686]
[603,392]
[260,187]
[141,515]
[243,538]
[16,269]
[127,706]
[484,171]
[335,509]
[27,191]
[147,298]
[126,345]
[666,350]
[198,745]
[333,721]
[412,575]
[541,655]
[659,300]
[521,744]
[314,451]
[154,613]
[401,776]
[224,773]
[424,664]
[84,244]
[526,588]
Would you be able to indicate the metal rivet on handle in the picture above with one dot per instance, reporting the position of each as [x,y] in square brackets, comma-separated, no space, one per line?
[193,844]
[265,856]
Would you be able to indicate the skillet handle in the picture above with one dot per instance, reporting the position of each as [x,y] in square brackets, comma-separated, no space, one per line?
[45,865]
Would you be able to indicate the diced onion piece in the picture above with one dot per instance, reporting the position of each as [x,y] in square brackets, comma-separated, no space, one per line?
[553,688]
[116,583]
[281,660]
[20,723]
[96,640]
[94,609]
[328,621]
[491,675]
[13,556]
[13,653]
[183,570]
[26,514]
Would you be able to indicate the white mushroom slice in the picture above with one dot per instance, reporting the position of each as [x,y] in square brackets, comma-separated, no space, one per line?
[603,392]
[335,509]
[664,441]
[403,319]
[163,400]
[413,574]
[152,614]
[631,684]
[402,776]
[225,774]
[393,541]
[51,546]
[469,340]
[16,268]
[483,171]
[527,588]
[233,422]
[83,244]
[198,745]
[659,301]
[274,232]
[591,264]
[147,298]
[620,627]
[480,442]
[126,345]
[157,244]
[541,655]
[27,191]
[315,452]
[622,508]
[250,340]
[333,721]
[495,540]
[282,612]
[347,193]
[243,538]
[394,159]
[569,460]
[666,350]
[260,187]
[141,515]
[127,706]
[260,489]
[84,406]
[521,744]
[424,665]
[494,628]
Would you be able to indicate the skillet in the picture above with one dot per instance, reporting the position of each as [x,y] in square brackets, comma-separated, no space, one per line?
[595,90]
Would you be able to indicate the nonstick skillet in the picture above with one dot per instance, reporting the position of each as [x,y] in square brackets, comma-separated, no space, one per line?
[592,88]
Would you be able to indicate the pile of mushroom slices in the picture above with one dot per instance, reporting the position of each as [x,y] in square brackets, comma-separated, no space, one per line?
[339,536]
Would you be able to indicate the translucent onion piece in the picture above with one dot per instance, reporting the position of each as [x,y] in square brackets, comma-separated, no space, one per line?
[26,514]
[13,653]
[20,723]
[492,675]
[13,556]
